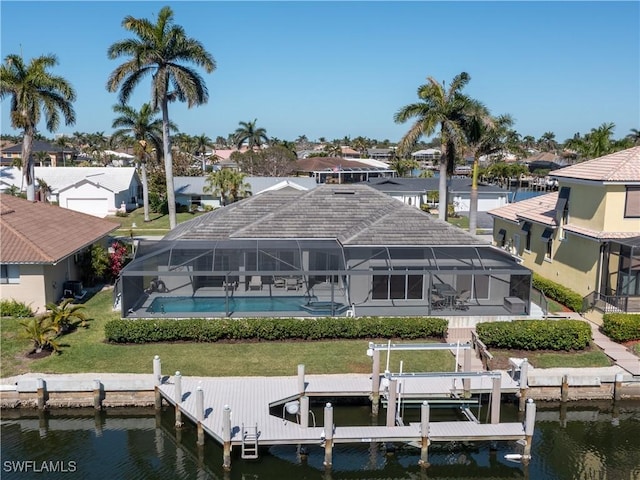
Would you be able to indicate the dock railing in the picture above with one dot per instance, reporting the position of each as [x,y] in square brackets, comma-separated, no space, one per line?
[482,352]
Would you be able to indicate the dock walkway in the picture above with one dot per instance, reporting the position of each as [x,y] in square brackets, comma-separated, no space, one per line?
[257,402]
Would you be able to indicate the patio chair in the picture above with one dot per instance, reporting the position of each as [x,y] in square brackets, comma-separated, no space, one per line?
[462,300]
[293,283]
[255,283]
[438,302]
[279,282]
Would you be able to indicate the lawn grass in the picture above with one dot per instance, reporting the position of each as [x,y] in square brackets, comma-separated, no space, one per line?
[85,350]
[592,357]
[158,223]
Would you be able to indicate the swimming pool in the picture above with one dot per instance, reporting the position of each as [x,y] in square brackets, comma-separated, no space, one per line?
[238,304]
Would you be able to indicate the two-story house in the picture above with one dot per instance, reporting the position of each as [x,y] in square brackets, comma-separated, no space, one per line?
[585,236]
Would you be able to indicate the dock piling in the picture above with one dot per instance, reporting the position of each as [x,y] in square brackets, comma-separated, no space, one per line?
[564,389]
[495,399]
[41,394]
[200,414]
[466,382]
[524,384]
[375,383]
[157,380]
[177,394]
[529,423]
[328,436]
[301,384]
[617,387]
[226,437]
[424,433]
[304,411]
[391,403]
[97,395]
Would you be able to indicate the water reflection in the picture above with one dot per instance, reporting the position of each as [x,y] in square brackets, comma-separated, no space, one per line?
[572,441]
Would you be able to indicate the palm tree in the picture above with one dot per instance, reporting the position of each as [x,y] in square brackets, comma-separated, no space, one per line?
[486,136]
[44,190]
[228,184]
[35,91]
[547,142]
[161,51]
[634,136]
[42,333]
[146,130]
[248,132]
[598,140]
[201,143]
[62,316]
[444,109]
[63,142]
[42,158]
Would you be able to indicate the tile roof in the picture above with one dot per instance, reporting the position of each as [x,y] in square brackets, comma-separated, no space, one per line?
[622,166]
[352,214]
[39,233]
[540,209]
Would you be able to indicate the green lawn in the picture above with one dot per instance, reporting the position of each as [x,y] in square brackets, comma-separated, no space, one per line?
[593,357]
[86,351]
[158,223]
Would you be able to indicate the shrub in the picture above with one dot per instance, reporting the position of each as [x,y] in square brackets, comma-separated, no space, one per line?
[559,293]
[536,334]
[621,327]
[212,330]
[13,308]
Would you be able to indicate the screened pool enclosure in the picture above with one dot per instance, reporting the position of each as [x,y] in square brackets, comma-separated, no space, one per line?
[319,277]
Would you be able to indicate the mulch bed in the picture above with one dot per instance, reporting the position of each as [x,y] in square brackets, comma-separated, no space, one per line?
[34,355]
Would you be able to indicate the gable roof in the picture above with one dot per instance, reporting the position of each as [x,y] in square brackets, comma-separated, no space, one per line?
[38,146]
[39,233]
[540,209]
[114,179]
[421,185]
[195,185]
[622,166]
[352,214]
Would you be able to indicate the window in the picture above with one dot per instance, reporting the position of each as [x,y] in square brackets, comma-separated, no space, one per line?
[9,274]
[526,228]
[547,237]
[516,244]
[500,237]
[632,203]
[397,285]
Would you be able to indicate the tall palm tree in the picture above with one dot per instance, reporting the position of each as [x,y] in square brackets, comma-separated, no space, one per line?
[444,109]
[547,142]
[35,91]
[146,130]
[201,143]
[248,132]
[485,136]
[161,51]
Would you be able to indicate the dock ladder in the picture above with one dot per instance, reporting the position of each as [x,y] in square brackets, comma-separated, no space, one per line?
[250,442]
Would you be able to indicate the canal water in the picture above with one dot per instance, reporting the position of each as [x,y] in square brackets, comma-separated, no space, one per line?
[574,441]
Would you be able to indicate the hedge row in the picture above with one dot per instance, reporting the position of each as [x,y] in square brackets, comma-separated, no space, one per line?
[212,330]
[557,292]
[536,334]
[621,327]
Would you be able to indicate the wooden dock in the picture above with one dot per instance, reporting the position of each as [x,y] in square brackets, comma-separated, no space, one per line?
[249,412]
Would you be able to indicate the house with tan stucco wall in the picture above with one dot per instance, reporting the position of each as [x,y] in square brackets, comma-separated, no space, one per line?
[585,236]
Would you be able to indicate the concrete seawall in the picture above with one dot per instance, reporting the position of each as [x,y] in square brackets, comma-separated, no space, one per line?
[100,391]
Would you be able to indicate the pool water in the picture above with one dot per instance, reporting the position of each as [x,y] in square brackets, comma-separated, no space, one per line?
[234,304]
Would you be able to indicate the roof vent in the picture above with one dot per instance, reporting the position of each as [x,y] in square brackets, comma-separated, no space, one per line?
[344,192]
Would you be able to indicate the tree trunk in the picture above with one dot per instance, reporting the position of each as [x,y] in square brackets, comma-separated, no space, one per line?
[145,190]
[473,203]
[442,184]
[28,170]
[168,163]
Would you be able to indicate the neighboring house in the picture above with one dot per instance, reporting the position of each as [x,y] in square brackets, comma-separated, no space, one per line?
[39,249]
[415,192]
[380,153]
[190,190]
[586,236]
[340,170]
[97,191]
[343,246]
[58,156]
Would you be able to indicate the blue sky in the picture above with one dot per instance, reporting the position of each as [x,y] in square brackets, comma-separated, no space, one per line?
[335,69]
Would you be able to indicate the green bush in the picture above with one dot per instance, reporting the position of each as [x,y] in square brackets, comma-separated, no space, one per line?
[621,327]
[536,334]
[557,292]
[13,308]
[212,330]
